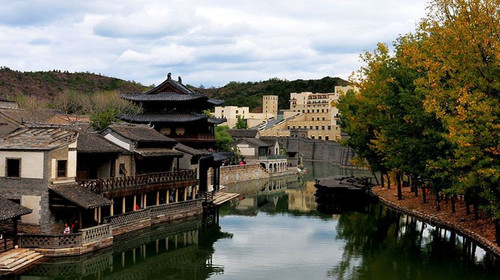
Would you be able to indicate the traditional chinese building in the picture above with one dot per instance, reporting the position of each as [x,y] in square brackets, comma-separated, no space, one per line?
[177,112]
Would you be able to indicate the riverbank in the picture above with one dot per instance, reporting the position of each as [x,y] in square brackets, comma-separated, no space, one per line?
[481,230]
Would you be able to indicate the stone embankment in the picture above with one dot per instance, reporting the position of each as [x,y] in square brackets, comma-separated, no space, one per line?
[482,231]
[318,150]
[248,172]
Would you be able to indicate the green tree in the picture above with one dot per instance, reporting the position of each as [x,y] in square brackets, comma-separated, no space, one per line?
[241,123]
[459,50]
[223,139]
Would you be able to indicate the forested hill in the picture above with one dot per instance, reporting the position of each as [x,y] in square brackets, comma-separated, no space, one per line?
[46,84]
[250,94]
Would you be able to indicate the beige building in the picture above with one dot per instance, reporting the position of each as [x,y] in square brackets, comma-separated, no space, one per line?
[231,113]
[270,105]
[311,115]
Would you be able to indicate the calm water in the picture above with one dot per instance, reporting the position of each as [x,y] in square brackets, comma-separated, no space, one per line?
[275,232]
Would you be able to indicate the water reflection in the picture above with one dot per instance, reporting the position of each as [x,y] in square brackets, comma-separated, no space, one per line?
[275,231]
[389,245]
[178,250]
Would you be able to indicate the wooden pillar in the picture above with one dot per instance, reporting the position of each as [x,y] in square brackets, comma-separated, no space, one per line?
[99,215]
[185,194]
[95,214]
[157,197]
[123,205]
[16,241]
[133,255]
[176,195]
[168,196]
[166,243]
[123,259]
[144,201]
[111,209]
[135,202]
[157,245]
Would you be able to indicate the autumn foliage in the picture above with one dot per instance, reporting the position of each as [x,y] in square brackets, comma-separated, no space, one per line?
[430,109]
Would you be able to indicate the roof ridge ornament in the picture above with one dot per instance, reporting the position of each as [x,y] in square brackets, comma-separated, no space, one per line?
[169,76]
[180,80]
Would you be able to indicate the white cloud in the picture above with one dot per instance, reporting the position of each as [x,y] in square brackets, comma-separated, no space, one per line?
[206,42]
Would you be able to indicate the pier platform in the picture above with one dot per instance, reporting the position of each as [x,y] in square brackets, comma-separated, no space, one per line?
[222,197]
[17,259]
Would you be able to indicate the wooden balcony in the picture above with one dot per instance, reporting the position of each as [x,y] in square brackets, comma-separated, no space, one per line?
[143,181]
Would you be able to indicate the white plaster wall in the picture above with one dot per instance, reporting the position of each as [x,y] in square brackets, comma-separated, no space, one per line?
[32,202]
[118,142]
[72,163]
[245,150]
[31,163]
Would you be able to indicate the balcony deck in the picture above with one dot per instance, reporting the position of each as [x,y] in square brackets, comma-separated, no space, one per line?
[110,187]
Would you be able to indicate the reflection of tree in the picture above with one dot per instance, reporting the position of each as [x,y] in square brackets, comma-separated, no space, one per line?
[386,245]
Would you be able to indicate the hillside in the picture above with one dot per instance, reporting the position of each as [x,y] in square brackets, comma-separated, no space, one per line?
[250,94]
[46,84]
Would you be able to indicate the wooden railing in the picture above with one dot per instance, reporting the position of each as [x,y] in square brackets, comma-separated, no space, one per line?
[59,241]
[50,241]
[96,233]
[152,212]
[121,183]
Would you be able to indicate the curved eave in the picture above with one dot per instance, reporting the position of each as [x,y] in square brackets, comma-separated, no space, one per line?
[216,120]
[163,118]
[215,102]
[163,97]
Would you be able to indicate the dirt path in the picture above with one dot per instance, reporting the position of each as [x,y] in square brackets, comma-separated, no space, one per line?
[482,230]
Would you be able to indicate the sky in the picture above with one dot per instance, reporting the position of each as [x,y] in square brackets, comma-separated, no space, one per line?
[209,43]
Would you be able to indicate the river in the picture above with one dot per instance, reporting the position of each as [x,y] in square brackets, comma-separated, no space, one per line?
[274,231]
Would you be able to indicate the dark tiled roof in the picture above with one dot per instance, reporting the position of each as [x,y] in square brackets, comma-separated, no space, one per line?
[269,140]
[176,86]
[92,142]
[188,150]
[164,96]
[222,156]
[11,119]
[167,118]
[38,138]
[80,196]
[216,120]
[140,133]
[215,102]
[10,210]
[158,152]
[243,133]
[254,142]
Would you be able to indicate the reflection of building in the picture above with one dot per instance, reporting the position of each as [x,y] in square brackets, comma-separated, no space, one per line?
[171,251]
[302,199]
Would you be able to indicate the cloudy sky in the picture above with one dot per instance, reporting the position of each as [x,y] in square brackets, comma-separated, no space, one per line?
[208,43]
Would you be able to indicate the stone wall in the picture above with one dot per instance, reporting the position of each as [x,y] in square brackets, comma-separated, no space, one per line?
[237,173]
[318,150]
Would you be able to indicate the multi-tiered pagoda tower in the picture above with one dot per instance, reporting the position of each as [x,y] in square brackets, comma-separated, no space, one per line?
[177,112]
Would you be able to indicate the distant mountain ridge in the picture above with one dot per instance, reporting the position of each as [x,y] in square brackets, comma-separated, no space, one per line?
[250,94]
[47,84]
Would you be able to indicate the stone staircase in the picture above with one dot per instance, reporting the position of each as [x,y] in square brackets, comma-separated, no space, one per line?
[16,259]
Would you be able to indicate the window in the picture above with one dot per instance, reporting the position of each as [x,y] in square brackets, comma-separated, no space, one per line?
[123,169]
[13,166]
[327,138]
[329,127]
[61,168]
[319,137]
